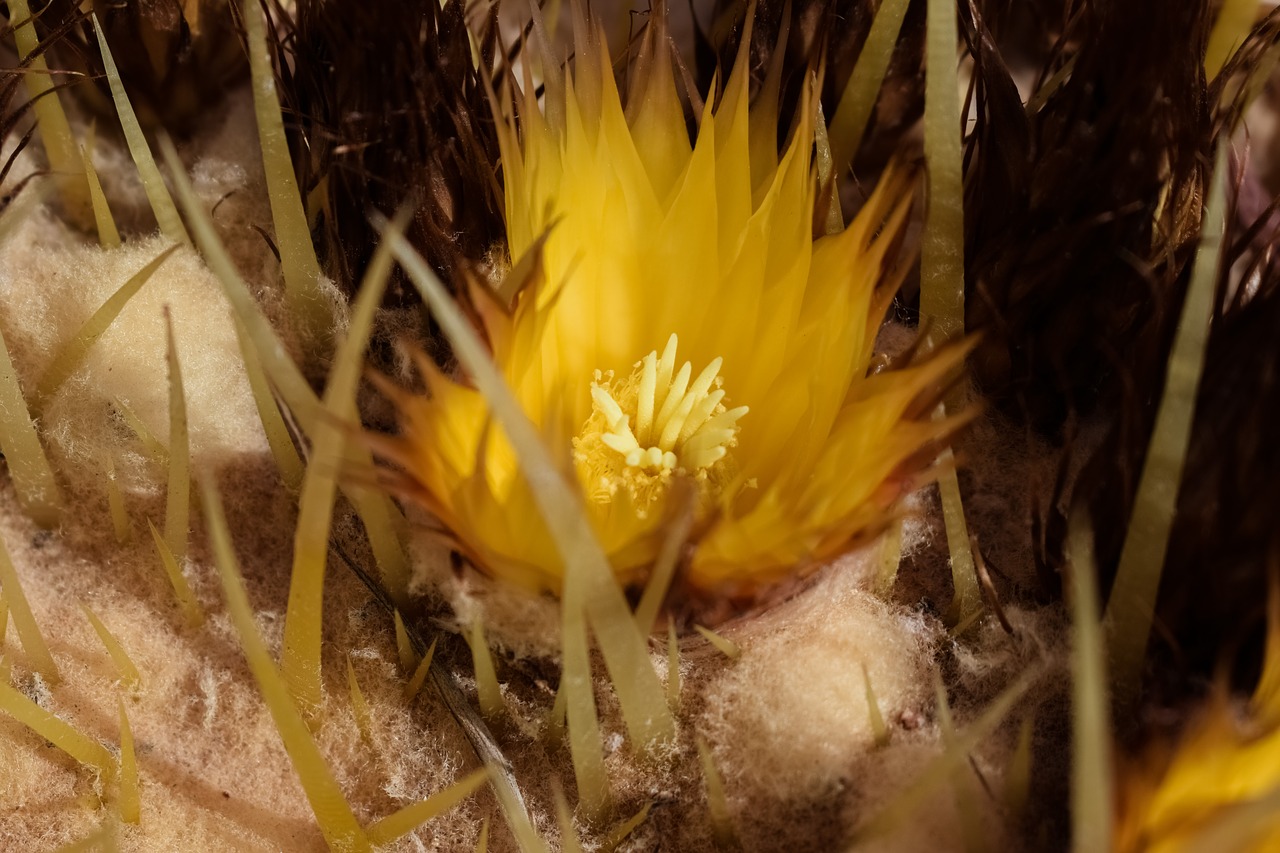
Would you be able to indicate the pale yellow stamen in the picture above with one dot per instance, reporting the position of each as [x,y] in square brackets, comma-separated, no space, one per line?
[654,424]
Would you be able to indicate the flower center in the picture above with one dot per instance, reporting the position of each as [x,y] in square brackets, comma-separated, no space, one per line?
[657,423]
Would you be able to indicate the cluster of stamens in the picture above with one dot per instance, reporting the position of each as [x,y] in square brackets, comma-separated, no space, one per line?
[659,421]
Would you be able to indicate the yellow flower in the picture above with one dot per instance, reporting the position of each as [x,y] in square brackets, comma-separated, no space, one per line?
[1219,787]
[673,328]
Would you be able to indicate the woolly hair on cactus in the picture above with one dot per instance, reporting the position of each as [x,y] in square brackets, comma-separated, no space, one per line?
[680,340]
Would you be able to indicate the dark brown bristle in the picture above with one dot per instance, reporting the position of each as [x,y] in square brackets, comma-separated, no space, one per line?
[1069,268]
[1226,540]
[1083,216]
[388,109]
[175,59]
[1082,209]
[54,27]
